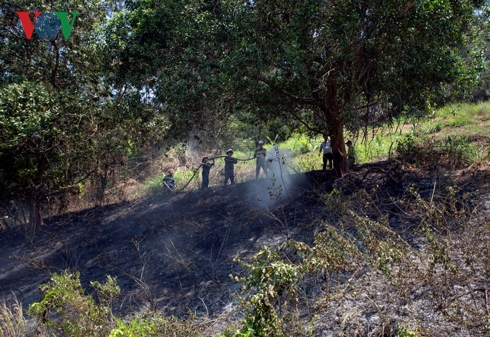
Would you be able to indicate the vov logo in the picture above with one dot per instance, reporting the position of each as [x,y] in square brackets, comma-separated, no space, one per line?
[46,25]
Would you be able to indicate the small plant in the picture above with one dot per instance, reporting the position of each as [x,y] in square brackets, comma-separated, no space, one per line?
[12,321]
[404,331]
[65,309]
[270,283]
[134,328]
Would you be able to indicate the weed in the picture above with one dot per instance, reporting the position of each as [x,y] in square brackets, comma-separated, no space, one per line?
[152,324]
[404,331]
[267,289]
[65,309]
[12,321]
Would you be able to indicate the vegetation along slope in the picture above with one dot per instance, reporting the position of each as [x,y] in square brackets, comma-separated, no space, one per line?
[393,241]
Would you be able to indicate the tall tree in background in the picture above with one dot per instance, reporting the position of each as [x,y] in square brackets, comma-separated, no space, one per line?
[342,61]
[328,64]
[60,121]
[171,50]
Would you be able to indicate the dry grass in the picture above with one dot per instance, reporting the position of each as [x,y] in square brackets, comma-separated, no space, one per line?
[12,321]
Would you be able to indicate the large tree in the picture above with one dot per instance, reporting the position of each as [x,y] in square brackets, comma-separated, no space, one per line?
[328,64]
[61,122]
[342,61]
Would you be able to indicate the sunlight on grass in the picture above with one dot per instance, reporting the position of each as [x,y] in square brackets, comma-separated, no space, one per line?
[300,144]
[472,120]
[377,148]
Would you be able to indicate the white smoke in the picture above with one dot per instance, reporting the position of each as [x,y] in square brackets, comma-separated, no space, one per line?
[276,187]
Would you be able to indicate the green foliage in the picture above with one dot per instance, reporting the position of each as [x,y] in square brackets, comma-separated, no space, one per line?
[271,282]
[235,63]
[404,331]
[151,324]
[61,122]
[135,328]
[308,162]
[298,145]
[453,152]
[65,309]
[376,148]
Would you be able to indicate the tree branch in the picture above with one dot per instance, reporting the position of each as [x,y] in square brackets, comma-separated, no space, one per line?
[56,65]
[280,90]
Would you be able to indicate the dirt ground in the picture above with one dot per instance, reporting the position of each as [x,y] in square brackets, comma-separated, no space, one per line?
[176,253]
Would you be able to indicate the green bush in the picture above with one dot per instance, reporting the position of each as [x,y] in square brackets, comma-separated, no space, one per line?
[270,283]
[452,152]
[66,310]
[298,145]
[154,325]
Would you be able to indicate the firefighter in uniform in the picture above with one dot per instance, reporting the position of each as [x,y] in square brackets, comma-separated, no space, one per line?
[206,167]
[260,154]
[230,167]
[169,182]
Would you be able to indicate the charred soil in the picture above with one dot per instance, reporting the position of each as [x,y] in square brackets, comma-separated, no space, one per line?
[175,253]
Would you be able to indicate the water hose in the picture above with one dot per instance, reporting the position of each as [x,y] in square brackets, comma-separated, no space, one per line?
[195,172]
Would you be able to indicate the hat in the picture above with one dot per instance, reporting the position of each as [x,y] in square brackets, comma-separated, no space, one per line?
[261,142]
[170,171]
[205,157]
[229,150]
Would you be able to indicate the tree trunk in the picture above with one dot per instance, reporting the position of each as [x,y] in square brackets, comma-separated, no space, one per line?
[335,127]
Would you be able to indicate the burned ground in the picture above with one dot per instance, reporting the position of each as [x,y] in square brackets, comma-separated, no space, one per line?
[168,253]
[175,254]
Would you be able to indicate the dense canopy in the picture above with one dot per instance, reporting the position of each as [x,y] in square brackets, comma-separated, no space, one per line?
[151,71]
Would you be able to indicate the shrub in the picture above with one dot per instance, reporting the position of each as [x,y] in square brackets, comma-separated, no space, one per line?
[66,310]
[152,324]
[298,145]
[270,282]
[451,152]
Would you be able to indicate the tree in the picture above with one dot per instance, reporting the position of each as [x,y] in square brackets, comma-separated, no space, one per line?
[327,64]
[346,61]
[170,50]
[60,121]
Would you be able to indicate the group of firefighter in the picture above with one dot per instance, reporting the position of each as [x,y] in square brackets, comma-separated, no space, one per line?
[260,155]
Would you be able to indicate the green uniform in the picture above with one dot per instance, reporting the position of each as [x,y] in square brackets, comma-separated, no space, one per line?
[352,157]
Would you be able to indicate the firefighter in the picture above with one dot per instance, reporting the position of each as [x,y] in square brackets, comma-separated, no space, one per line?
[230,167]
[169,182]
[206,167]
[260,154]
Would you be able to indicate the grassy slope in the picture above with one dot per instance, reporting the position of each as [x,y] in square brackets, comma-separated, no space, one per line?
[375,286]
[469,120]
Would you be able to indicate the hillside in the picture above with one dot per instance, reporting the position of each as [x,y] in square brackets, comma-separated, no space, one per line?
[175,254]
[182,247]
